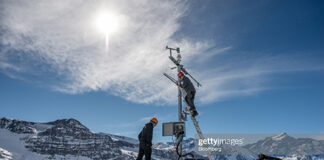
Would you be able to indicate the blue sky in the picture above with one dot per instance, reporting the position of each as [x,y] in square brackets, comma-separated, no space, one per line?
[260,64]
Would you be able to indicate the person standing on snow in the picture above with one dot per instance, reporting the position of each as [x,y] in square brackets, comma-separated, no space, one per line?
[190,90]
[145,139]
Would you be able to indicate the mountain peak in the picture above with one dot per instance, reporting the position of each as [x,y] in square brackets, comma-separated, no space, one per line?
[67,122]
[280,136]
[4,122]
[5,118]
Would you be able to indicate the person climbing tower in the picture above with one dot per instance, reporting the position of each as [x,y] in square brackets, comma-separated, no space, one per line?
[190,92]
[145,139]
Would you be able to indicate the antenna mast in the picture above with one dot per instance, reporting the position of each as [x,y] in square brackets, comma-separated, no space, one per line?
[182,115]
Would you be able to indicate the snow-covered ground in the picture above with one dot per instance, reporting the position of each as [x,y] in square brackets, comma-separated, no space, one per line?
[12,143]
[15,148]
[5,155]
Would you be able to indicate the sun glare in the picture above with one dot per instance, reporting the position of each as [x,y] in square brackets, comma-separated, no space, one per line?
[106,22]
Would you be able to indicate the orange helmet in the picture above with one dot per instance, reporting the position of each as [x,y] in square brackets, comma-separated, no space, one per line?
[154,120]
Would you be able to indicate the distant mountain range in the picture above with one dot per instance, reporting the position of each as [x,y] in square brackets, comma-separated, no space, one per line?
[69,139]
[283,144]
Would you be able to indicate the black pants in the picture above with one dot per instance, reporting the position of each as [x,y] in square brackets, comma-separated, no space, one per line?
[190,98]
[147,151]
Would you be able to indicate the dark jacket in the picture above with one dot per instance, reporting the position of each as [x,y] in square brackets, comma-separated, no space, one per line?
[187,85]
[145,136]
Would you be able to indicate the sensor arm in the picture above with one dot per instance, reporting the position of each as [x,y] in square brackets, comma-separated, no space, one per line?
[172,79]
[185,72]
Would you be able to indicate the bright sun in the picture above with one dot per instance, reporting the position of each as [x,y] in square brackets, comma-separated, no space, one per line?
[106,22]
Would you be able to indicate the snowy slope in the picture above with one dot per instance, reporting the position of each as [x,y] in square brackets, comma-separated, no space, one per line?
[5,155]
[15,148]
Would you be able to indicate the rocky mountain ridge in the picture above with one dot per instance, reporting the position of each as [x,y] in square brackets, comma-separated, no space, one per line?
[69,139]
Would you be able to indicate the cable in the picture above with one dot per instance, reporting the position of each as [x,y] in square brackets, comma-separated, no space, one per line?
[184,155]
[180,135]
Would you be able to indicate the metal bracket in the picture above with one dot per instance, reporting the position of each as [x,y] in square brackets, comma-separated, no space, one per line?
[184,116]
